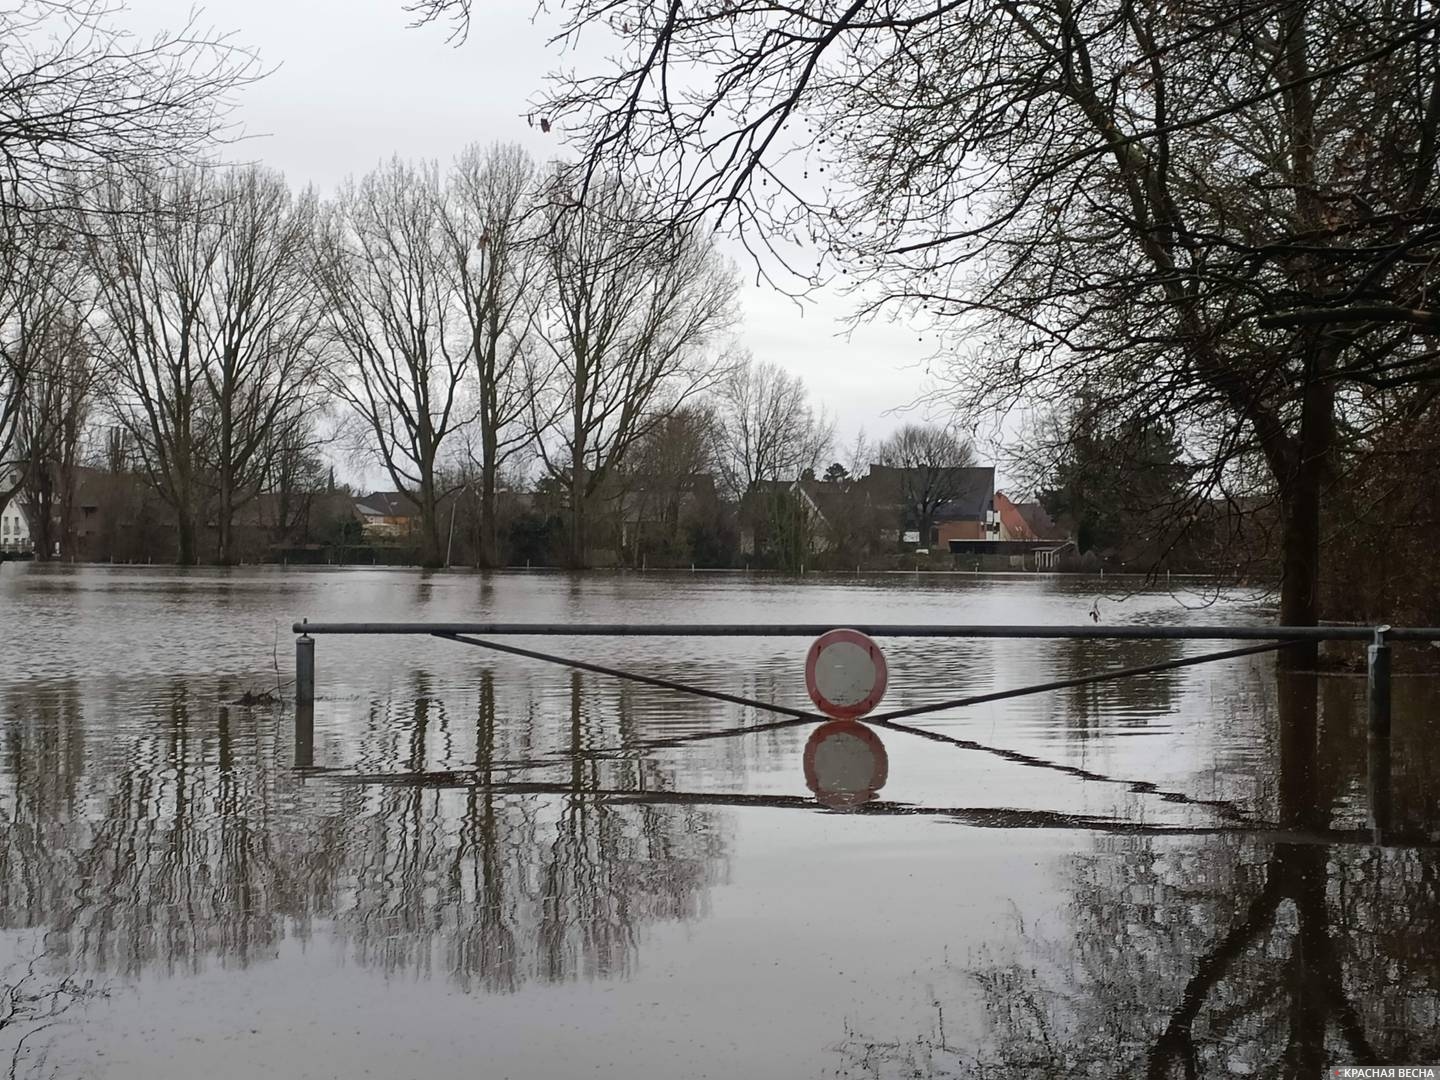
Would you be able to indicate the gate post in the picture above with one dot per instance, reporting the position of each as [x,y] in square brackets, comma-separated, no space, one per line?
[305,670]
[304,701]
[1378,671]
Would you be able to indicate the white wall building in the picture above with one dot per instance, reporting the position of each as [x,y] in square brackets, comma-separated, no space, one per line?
[14,527]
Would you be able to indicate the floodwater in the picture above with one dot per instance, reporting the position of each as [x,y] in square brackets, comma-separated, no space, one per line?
[499,867]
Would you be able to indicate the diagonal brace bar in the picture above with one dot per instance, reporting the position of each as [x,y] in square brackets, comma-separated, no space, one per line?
[648,680]
[1082,680]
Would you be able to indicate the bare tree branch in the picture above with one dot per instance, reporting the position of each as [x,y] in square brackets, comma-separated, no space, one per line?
[394,320]
[630,316]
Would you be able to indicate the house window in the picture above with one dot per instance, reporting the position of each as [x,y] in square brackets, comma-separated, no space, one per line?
[935,535]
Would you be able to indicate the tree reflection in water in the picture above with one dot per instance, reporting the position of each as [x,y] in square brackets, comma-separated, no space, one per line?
[1127,702]
[1274,968]
[1227,956]
[179,839]
[1231,956]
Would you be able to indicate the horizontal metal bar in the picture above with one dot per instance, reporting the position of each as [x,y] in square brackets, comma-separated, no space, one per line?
[810,630]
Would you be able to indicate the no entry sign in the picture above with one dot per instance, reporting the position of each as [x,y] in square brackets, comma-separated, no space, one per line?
[845,674]
[845,764]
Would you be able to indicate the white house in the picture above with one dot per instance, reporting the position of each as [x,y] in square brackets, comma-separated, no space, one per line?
[14,527]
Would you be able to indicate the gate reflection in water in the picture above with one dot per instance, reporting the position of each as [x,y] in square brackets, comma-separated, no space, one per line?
[496,861]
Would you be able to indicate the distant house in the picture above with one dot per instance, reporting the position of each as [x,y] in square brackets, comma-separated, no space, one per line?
[965,510]
[969,515]
[90,521]
[651,508]
[1027,525]
[1013,524]
[14,528]
[387,515]
[1025,521]
[830,504]
[1041,523]
[827,517]
[105,515]
[645,500]
[283,525]
[118,516]
[811,499]
[756,509]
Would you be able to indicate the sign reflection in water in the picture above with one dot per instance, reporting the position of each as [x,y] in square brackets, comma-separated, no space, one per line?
[845,764]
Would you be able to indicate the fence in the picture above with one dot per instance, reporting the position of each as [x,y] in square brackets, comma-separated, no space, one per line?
[1378,668]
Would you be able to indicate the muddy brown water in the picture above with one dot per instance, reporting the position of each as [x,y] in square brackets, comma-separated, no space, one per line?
[503,868]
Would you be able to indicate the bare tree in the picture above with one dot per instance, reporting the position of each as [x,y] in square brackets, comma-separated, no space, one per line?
[768,429]
[116,454]
[630,316]
[55,416]
[153,252]
[490,240]
[39,282]
[858,455]
[931,464]
[82,96]
[13,379]
[392,315]
[295,471]
[672,466]
[210,330]
[260,319]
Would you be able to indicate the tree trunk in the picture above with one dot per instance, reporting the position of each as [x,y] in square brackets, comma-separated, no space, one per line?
[69,541]
[67,537]
[578,523]
[1300,498]
[579,493]
[1299,571]
[42,509]
[489,557]
[1301,484]
[283,525]
[226,510]
[430,555]
[186,555]
[226,554]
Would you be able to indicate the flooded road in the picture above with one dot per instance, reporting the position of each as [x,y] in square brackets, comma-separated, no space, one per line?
[504,868]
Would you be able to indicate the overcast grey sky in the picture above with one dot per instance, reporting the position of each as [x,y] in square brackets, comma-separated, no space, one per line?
[353,84]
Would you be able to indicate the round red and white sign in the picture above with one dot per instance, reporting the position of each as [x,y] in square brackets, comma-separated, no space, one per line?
[845,764]
[845,674]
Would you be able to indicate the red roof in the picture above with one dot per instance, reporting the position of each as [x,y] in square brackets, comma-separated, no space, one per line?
[1012,522]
